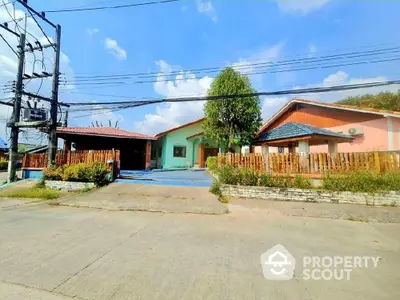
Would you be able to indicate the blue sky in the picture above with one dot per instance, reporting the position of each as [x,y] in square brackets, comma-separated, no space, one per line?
[207,33]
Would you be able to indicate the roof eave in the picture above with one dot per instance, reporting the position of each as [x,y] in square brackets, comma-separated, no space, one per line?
[109,136]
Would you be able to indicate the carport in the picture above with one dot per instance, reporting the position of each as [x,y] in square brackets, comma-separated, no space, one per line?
[135,148]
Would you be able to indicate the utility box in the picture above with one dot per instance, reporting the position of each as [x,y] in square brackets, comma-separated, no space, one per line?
[34,114]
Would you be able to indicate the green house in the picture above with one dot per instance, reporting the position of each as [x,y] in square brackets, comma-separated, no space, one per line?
[183,147]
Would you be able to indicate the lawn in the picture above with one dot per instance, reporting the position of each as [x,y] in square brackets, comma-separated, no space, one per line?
[31,192]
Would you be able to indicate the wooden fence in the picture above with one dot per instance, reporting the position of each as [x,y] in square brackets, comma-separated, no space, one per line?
[314,163]
[40,160]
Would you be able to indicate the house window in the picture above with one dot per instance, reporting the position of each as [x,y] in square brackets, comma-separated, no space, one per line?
[179,151]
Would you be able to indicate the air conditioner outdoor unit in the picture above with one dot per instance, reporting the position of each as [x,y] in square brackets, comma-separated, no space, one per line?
[356,131]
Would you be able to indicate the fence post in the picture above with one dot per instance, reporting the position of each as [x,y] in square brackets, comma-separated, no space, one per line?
[377,163]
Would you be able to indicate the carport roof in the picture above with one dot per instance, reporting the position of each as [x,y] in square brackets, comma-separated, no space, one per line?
[292,130]
[104,132]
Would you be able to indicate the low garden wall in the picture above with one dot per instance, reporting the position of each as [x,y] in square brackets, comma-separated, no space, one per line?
[309,195]
[68,185]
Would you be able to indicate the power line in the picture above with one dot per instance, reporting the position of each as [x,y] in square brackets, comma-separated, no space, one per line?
[335,88]
[77,9]
[88,85]
[41,29]
[2,37]
[267,63]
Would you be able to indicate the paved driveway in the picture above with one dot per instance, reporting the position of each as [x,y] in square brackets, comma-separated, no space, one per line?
[197,178]
[156,198]
[69,253]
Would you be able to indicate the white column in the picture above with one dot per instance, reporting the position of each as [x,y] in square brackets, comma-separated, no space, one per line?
[304,147]
[265,152]
[390,133]
[332,147]
[265,149]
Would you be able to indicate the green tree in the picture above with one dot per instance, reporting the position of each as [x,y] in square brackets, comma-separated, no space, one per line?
[385,100]
[232,121]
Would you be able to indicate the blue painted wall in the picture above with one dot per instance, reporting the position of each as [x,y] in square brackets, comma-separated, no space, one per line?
[36,174]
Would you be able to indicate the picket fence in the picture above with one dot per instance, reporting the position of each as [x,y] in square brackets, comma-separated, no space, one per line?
[314,163]
[40,160]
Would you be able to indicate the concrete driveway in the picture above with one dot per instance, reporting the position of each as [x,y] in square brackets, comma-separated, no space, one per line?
[56,252]
[154,198]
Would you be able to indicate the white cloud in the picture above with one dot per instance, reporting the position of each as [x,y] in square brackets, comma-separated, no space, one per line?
[175,114]
[312,49]
[271,106]
[103,115]
[246,65]
[114,49]
[301,7]
[92,31]
[342,78]
[206,7]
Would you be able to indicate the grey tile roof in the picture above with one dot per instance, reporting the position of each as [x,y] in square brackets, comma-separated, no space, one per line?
[293,130]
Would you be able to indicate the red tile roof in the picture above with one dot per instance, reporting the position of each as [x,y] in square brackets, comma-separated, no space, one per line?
[104,131]
[179,127]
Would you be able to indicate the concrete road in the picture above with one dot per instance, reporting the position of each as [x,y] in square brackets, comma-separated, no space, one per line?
[3,176]
[77,253]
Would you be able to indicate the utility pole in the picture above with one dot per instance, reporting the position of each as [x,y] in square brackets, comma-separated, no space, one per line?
[54,103]
[13,152]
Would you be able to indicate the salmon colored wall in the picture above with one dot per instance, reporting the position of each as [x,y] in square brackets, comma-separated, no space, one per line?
[396,133]
[375,137]
[322,117]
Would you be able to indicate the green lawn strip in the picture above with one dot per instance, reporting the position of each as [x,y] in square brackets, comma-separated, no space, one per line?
[32,192]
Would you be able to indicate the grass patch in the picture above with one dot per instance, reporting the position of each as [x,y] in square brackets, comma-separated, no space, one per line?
[33,192]
[248,177]
[216,190]
[363,181]
[355,219]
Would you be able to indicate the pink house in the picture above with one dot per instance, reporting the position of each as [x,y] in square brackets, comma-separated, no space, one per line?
[371,129]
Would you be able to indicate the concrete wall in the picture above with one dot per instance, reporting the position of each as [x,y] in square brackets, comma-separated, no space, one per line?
[305,195]
[68,185]
[375,137]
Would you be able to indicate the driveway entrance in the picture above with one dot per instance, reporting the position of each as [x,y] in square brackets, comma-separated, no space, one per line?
[172,178]
[156,198]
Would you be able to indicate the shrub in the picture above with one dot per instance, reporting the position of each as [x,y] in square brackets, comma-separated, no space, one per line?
[212,163]
[248,177]
[53,173]
[216,188]
[228,175]
[362,181]
[3,164]
[84,172]
[98,174]
[302,182]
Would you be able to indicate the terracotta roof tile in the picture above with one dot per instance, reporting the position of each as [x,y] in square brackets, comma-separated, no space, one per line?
[104,131]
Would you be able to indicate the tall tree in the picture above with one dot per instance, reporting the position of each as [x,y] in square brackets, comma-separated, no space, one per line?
[232,121]
[385,100]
